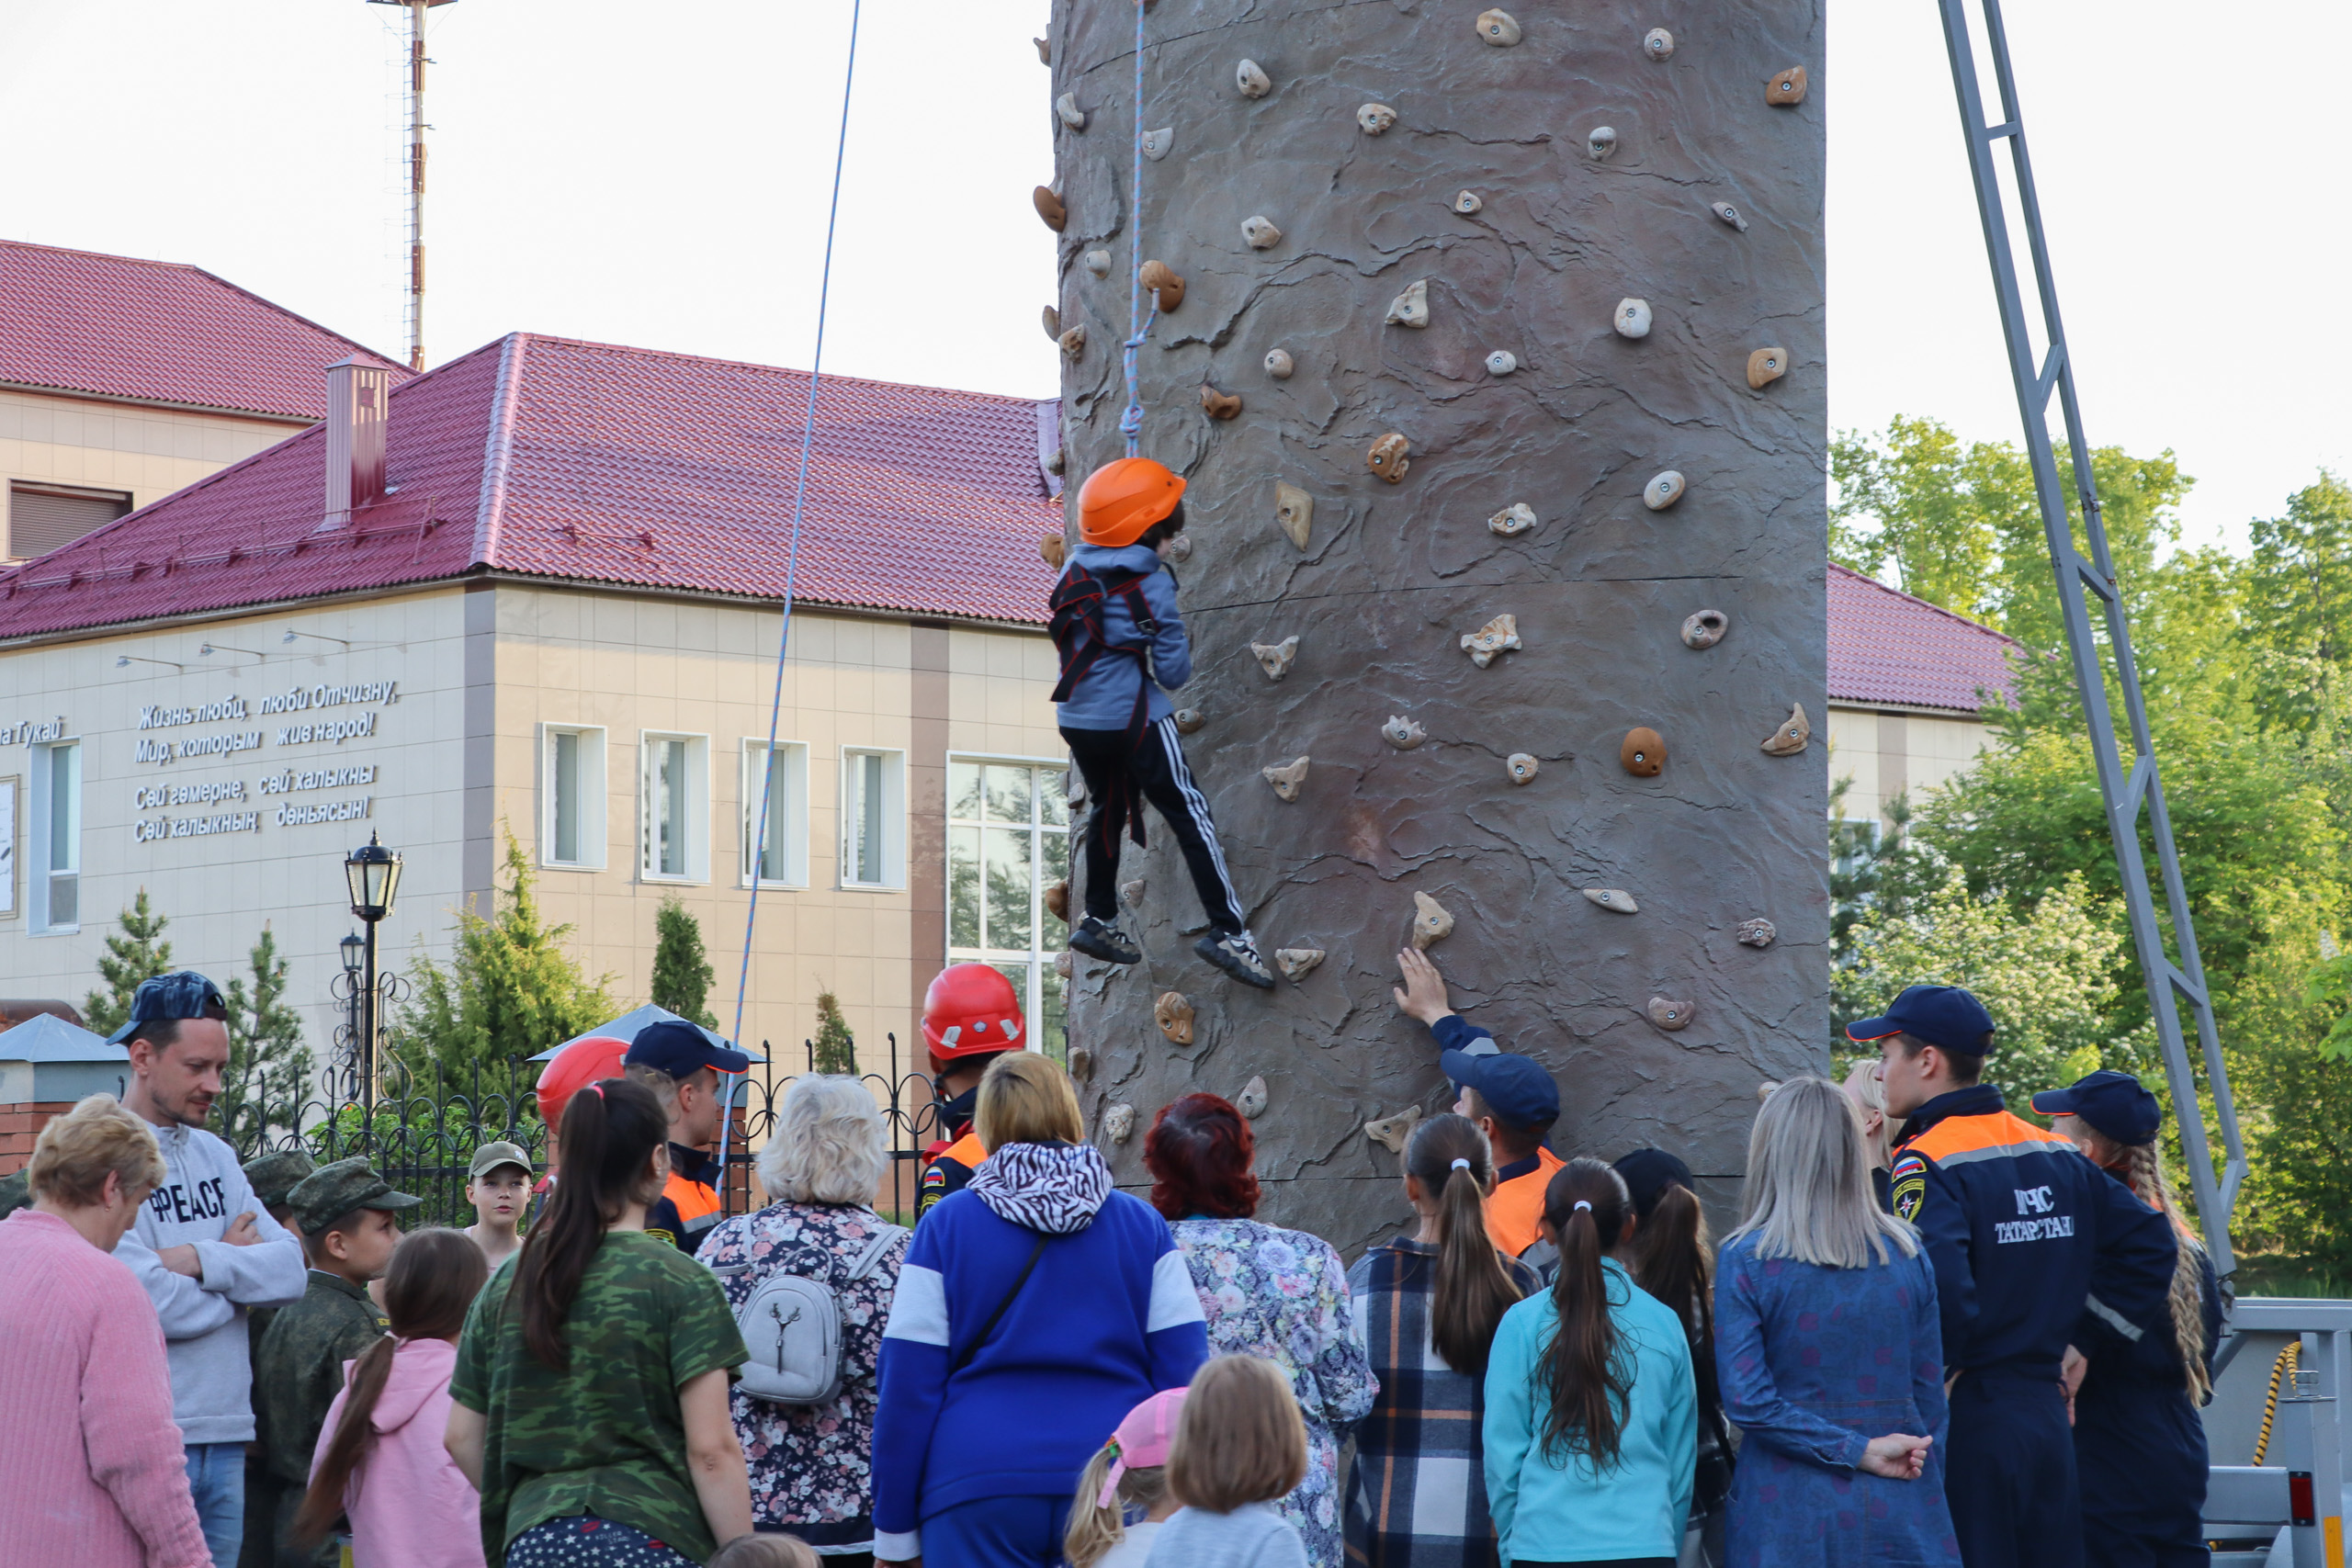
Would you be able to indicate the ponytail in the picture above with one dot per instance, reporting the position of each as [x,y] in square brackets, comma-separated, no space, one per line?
[2144,1172]
[609,1133]
[1094,1529]
[1471,1290]
[1583,1373]
[1670,1258]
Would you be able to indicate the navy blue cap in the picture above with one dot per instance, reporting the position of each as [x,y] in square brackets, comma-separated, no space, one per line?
[2116,1104]
[183,992]
[1943,1016]
[1647,1174]
[680,1050]
[1518,1092]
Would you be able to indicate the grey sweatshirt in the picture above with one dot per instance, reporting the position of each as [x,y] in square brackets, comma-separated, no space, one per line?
[1252,1536]
[204,1319]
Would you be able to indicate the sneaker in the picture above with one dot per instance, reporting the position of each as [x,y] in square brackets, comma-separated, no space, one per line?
[1237,954]
[1107,942]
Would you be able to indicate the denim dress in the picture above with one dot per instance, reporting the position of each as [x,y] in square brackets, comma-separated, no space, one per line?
[1814,1362]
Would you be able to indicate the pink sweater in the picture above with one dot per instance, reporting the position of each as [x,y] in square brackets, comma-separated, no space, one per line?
[410,1505]
[91,1469]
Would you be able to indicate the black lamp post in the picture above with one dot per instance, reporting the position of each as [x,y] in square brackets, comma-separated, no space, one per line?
[354,948]
[374,873]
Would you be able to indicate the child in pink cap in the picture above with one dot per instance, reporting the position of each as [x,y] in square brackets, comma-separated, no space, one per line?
[1127,1473]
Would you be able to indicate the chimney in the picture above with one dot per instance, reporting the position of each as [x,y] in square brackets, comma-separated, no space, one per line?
[357,416]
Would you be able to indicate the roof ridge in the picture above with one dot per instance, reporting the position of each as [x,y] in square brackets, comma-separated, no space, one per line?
[498,446]
[829,375]
[1974,625]
[99,255]
[297,316]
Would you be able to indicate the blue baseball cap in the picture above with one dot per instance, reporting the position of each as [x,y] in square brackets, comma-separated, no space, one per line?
[680,1050]
[1943,1016]
[2116,1104]
[183,992]
[1518,1092]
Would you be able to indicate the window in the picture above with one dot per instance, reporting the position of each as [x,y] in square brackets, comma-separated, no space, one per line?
[779,856]
[43,518]
[1007,838]
[57,837]
[572,833]
[676,808]
[874,819]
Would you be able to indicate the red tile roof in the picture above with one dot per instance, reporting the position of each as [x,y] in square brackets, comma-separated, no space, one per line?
[159,332]
[1889,648]
[548,457]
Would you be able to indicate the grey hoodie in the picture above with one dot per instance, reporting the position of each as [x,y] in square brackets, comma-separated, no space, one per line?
[204,1319]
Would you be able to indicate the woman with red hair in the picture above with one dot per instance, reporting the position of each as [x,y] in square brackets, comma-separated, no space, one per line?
[1278,1295]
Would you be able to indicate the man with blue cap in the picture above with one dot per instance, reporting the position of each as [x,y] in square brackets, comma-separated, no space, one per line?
[2033,1249]
[681,1064]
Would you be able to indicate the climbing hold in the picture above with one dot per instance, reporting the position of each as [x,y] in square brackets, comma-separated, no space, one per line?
[1296,962]
[1057,899]
[1767,366]
[1065,108]
[1274,657]
[1057,461]
[1178,549]
[1054,551]
[1659,44]
[1466,202]
[1729,214]
[1044,51]
[1512,520]
[1131,892]
[1521,767]
[1159,277]
[1261,233]
[1615,899]
[1403,733]
[1600,141]
[1388,457]
[1053,319]
[1790,738]
[1392,1133]
[1373,118]
[1431,920]
[1499,29]
[1294,512]
[1049,208]
[1757,932]
[1287,780]
[1787,88]
[1498,636]
[1073,343]
[1173,1013]
[1118,1122]
[1251,80]
[1099,263]
[1411,309]
[1065,963]
[1663,491]
[1704,628]
[1081,1062]
[1671,1016]
[1189,719]
[1156,143]
[1632,318]
[1279,364]
[1643,752]
[1502,362]
[1251,1101]
[1220,405]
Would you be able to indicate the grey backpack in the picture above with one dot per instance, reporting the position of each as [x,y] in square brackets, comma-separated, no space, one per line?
[792,1326]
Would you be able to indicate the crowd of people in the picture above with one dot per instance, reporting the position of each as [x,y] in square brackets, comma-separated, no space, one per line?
[1939,1333]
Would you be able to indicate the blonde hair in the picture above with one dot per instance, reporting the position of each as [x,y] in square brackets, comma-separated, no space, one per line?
[664,1087]
[1808,1194]
[2144,1172]
[766,1552]
[1092,1530]
[1026,1098]
[826,1146]
[77,1153]
[1240,1439]
[1868,1091]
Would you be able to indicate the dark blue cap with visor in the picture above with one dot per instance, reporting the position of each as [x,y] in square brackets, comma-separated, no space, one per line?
[1944,1016]
[183,992]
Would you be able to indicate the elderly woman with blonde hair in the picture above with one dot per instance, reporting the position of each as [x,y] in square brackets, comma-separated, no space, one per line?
[823,1163]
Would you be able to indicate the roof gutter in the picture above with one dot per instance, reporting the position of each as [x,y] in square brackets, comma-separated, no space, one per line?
[36,389]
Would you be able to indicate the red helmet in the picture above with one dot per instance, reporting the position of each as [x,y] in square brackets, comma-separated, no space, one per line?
[573,1068]
[971,1010]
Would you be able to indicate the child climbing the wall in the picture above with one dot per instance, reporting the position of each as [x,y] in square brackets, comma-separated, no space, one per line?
[1122,647]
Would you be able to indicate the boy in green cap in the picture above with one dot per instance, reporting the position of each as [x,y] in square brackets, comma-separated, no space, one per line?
[498,1184]
[274,1176]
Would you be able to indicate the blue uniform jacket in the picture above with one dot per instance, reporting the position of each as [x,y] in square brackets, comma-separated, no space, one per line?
[2034,1247]
[1105,697]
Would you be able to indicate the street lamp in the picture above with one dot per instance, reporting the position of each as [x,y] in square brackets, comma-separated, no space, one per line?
[354,955]
[374,873]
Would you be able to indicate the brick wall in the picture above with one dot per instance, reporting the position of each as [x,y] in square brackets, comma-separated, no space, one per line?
[19,1125]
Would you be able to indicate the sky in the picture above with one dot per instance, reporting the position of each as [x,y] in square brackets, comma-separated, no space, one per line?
[659,176]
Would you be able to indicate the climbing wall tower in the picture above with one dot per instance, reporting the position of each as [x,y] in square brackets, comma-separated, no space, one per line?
[1497,375]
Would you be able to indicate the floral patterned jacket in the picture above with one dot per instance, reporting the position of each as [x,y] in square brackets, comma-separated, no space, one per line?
[1283,1296]
[812,1467]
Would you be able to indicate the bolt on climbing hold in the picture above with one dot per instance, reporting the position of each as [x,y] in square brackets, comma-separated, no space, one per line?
[1632,318]
[1600,141]
[1073,343]
[1178,549]
[1279,364]
[1392,1133]
[1431,922]
[1616,900]
[1081,1063]
[1671,1016]
[1158,277]
[1118,1122]
[1274,657]
[1729,214]
[1066,110]
[1189,719]
[1173,1013]
[1388,457]
[1253,80]
[1502,362]
[1790,738]
[1643,752]
[1466,202]
[1294,512]
[1373,118]
[1099,263]
[1497,637]
[1403,733]
[1512,520]
[1787,88]
[1049,208]
[1053,319]
[1218,405]
[1499,27]
[1704,628]
[1287,780]
[1659,44]
[1261,233]
[1663,491]
[1156,143]
[1410,308]
[1757,932]
[1131,892]
[1251,1101]
[1054,551]
[1521,767]
[1296,963]
[1767,366]
[1044,51]
[1065,963]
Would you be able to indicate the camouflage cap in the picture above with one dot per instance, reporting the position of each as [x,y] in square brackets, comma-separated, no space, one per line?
[334,1190]
[16,1192]
[276,1173]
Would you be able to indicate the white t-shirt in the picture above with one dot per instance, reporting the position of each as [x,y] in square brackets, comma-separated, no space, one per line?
[1133,1547]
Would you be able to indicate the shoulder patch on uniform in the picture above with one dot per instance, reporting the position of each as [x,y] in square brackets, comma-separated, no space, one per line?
[1909,1165]
[659,1234]
[1910,1194]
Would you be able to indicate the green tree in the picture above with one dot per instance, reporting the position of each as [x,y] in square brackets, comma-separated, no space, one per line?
[2300,598]
[268,1075]
[681,973]
[134,957]
[836,1050]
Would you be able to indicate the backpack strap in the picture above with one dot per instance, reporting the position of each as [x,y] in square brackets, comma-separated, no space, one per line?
[980,1339]
[884,1236]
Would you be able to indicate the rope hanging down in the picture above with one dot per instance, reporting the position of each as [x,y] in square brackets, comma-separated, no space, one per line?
[1138,325]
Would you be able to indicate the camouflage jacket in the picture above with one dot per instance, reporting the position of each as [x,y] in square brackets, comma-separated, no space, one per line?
[299,1369]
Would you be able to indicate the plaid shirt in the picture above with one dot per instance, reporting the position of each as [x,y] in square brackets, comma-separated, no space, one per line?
[1417,1496]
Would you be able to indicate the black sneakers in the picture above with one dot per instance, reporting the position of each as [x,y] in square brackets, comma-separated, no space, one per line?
[1237,954]
[1107,942]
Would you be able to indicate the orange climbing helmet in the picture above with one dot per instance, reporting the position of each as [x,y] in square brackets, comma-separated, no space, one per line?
[1122,498]
[573,1068]
[971,1009]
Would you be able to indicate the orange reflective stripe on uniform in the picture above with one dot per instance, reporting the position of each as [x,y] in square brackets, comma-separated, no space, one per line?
[967,1151]
[691,1199]
[1515,1208]
[1959,1140]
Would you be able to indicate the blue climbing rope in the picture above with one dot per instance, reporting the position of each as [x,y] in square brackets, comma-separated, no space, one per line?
[1138,325]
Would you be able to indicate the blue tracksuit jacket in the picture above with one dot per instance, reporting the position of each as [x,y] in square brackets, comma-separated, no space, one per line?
[1105,697]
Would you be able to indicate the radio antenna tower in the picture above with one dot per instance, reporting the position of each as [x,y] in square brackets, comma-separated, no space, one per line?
[416,62]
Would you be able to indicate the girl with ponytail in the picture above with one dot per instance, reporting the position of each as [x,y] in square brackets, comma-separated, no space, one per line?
[1672,1258]
[1427,1305]
[1591,1422]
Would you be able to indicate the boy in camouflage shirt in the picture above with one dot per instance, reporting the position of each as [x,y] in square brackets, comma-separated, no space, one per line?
[274,1176]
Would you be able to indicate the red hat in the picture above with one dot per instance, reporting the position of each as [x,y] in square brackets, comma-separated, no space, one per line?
[971,1009]
[573,1068]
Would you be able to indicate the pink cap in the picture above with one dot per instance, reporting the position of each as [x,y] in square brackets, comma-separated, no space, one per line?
[1141,1443]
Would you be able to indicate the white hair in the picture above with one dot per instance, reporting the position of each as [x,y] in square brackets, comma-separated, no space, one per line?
[1808,1193]
[826,1146]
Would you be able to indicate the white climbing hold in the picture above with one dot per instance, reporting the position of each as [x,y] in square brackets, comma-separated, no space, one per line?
[1288,780]
[1253,80]
[1466,202]
[1502,362]
[1118,1122]
[1261,233]
[1499,29]
[1274,657]
[1099,263]
[1632,318]
[1296,963]
[1512,520]
[1410,308]
[1403,733]
[1600,141]
[1392,1133]
[1663,491]
[1615,899]
[1729,214]
[1251,1101]
[1066,107]
[1659,44]
[1156,143]
[1497,637]
[1293,514]
[1521,767]
[1279,364]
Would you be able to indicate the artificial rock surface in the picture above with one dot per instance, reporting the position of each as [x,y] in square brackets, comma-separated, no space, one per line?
[1393,573]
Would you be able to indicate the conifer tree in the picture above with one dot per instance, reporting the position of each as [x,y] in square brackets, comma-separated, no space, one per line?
[268,1075]
[836,1048]
[134,957]
[681,971]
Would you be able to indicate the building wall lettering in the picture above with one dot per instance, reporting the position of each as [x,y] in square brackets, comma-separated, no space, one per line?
[301,814]
[336,730]
[32,731]
[293,779]
[206,794]
[203,712]
[299,698]
[153,827]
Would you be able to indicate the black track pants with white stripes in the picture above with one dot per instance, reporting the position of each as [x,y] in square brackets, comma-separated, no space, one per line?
[1154,767]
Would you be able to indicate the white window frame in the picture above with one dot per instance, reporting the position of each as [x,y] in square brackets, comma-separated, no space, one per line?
[698,813]
[43,868]
[592,742]
[1033,1003]
[894,817]
[787,818]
